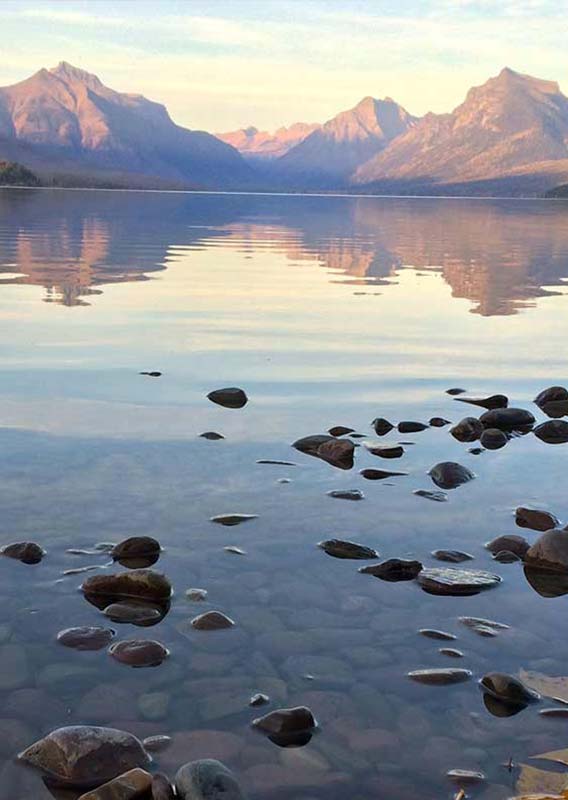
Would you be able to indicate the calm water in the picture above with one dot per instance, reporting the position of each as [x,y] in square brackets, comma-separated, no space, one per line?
[327,311]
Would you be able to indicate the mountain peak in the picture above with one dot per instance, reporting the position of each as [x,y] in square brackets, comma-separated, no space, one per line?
[68,72]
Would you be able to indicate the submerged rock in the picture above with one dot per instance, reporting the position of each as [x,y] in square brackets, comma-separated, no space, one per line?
[549,552]
[231,397]
[26,552]
[556,409]
[555,431]
[338,452]
[509,542]
[133,784]
[465,776]
[207,779]
[408,426]
[276,462]
[137,551]
[259,699]
[536,519]
[491,402]
[394,569]
[493,439]
[506,557]
[551,395]
[212,621]
[134,612]
[211,435]
[347,494]
[451,652]
[432,633]
[450,474]
[545,582]
[382,426]
[483,627]
[86,638]
[508,689]
[453,556]
[344,549]
[286,720]
[340,430]
[439,422]
[437,497]
[379,474]
[440,677]
[385,450]
[468,429]
[141,583]
[84,755]
[162,789]
[139,652]
[233,519]
[508,419]
[196,595]
[456,582]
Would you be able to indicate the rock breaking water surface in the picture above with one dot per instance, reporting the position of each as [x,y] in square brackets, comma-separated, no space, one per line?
[327,312]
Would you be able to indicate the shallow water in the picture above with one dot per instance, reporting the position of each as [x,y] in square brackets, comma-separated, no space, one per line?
[327,310]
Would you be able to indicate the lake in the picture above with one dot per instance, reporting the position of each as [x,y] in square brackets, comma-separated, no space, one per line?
[327,311]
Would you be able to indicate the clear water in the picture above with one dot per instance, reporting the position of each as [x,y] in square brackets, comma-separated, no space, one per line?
[327,310]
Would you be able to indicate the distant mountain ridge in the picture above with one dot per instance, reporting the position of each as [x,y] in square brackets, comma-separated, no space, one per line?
[67,118]
[255,144]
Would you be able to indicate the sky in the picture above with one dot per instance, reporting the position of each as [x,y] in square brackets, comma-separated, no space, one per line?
[221,65]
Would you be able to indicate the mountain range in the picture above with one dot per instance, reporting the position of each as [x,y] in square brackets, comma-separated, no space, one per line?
[509,136]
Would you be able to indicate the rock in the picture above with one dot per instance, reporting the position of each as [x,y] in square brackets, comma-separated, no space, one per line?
[506,557]
[455,391]
[408,426]
[141,583]
[33,706]
[87,638]
[483,627]
[465,776]
[476,451]
[450,474]
[453,556]
[556,409]
[211,435]
[439,422]
[559,713]
[343,549]
[432,633]
[84,755]
[137,551]
[385,450]
[207,780]
[153,374]
[508,689]
[509,542]
[440,677]
[347,494]
[437,497]
[26,552]
[237,551]
[259,699]
[286,720]
[551,395]
[382,426]
[212,621]
[155,744]
[233,519]
[555,431]
[451,652]
[131,785]
[493,439]
[337,452]
[394,569]
[549,552]
[134,612]
[379,474]
[162,788]
[139,652]
[196,595]
[275,462]
[508,419]
[231,397]
[547,583]
[468,430]
[340,430]
[535,519]
[14,672]
[154,705]
[456,582]
[494,401]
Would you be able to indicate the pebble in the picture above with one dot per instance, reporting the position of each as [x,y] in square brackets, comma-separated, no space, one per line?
[385,450]
[196,595]
[142,583]
[456,582]
[340,430]
[337,452]
[344,549]
[153,374]
[231,397]
[232,519]
[131,785]
[440,677]
[506,557]
[394,569]
[465,776]
[139,652]
[211,435]
[508,419]
[207,780]
[549,552]
[154,744]
[382,426]
[437,497]
[212,621]
[493,439]
[286,720]
[346,494]
[137,551]
[455,391]
[162,788]
[259,699]
[439,422]
[468,429]
[536,519]
[379,474]
[86,638]
[494,401]
[453,556]
[432,633]
[475,623]
[26,552]
[133,612]
[551,395]
[237,551]
[508,689]
[509,542]
[450,474]
[276,462]
[408,426]
[451,652]
[555,431]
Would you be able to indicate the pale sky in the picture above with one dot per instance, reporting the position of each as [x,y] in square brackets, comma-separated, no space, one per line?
[222,64]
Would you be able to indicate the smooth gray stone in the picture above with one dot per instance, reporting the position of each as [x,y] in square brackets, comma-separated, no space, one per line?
[207,779]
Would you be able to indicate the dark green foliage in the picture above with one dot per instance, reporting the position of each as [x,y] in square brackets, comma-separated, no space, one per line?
[12,174]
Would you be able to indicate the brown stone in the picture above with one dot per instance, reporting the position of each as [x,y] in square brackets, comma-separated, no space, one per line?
[129,786]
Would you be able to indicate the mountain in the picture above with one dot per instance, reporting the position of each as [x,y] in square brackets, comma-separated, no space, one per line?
[255,144]
[335,150]
[66,119]
[511,131]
